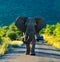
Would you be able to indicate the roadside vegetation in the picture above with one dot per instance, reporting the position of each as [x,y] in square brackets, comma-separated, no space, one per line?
[52,35]
[10,37]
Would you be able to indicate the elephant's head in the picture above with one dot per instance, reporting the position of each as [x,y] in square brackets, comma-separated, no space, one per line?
[29,25]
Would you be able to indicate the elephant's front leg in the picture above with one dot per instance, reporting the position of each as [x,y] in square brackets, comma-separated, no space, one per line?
[33,47]
[27,49]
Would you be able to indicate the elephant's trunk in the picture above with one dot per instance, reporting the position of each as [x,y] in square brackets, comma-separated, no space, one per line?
[30,30]
[30,27]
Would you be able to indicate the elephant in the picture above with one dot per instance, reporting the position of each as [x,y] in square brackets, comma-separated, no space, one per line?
[30,27]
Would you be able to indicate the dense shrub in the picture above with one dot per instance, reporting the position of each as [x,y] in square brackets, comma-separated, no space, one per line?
[42,31]
[50,29]
[19,33]
[53,30]
[3,30]
[57,30]
[12,35]
[1,41]
[13,27]
[3,49]
[53,37]
[8,34]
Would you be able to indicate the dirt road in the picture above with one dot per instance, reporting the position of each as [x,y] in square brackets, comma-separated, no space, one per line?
[44,53]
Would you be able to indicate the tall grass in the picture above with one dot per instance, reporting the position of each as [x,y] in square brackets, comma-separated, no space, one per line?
[52,35]
[9,36]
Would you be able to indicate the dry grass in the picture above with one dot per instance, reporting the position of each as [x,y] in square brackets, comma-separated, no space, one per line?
[19,43]
[52,40]
[7,45]
[3,49]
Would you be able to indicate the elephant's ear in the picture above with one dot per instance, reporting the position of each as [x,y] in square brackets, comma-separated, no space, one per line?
[40,23]
[20,23]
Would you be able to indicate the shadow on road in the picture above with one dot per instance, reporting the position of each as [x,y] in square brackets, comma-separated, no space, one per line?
[39,53]
[46,54]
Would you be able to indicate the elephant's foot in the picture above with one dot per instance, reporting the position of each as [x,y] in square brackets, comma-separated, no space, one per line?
[33,49]
[27,52]
[33,53]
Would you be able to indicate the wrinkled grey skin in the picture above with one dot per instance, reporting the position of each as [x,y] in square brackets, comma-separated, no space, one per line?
[30,27]
[30,34]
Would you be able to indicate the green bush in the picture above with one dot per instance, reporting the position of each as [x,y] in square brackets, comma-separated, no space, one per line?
[42,31]
[50,29]
[1,41]
[19,33]
[11,32]
[57,30]
[47,30]
[13,27]
[3,30]
[3,49]
[12,35]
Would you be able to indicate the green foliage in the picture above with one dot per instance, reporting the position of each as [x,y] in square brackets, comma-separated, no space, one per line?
[12,35]
[19,33]
[3,30]
[13,27]
[42,31]
[57,30]
[11,31]
[52,35]
[49,29]
[1,41]
[8,33]
[53,30]
[3,49]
